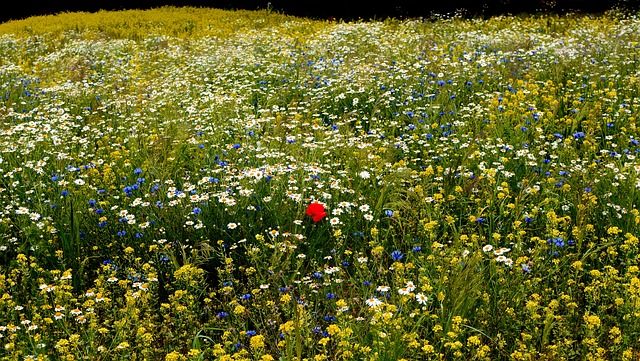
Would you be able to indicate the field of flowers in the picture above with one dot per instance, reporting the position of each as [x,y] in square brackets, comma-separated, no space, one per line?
[199,184]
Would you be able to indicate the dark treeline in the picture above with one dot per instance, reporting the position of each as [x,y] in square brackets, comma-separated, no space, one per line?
[336,9]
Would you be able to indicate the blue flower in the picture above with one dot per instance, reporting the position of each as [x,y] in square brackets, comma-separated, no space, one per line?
[397,255]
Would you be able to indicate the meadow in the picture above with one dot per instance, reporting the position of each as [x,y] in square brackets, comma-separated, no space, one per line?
[199,184]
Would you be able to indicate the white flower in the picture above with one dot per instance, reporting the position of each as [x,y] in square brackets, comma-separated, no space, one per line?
[22,210]
[487,248]
[422,299]
[79,182]
[365,175]
[404,291]
[232,225]
[410,286]
[373,302]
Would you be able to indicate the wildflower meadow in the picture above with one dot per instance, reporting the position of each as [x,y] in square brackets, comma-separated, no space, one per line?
[200,184]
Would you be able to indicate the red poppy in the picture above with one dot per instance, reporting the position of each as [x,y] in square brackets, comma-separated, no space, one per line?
[316,210]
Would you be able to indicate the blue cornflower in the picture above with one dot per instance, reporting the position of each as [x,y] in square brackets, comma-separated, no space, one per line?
[137,171]
[330,295]
[196,210]
[397,255]
[578,135]
[246,296]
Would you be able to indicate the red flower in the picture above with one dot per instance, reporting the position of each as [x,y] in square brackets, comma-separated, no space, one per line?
[316,210]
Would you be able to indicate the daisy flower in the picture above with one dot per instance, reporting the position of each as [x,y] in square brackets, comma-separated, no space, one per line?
[421,298]
[373,302]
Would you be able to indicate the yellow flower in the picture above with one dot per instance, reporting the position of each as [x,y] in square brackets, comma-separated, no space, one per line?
[174,356]
[323,341]
[287,326]
[592,321]
[333,329]
[256,341]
